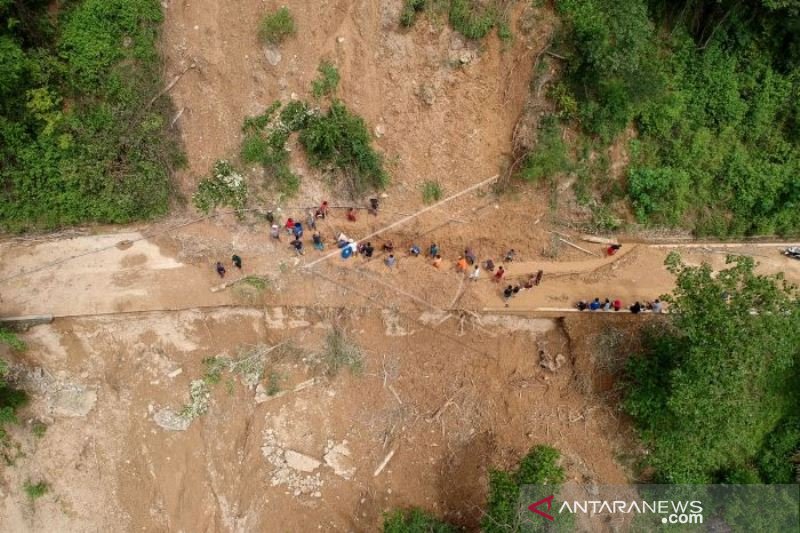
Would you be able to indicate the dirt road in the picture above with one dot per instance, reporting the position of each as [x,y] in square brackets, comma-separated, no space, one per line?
[90,275]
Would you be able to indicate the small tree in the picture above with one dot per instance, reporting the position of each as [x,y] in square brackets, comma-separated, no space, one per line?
[275,27]
[714,384]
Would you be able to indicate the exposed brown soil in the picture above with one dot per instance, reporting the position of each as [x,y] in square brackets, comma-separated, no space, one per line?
[454,382]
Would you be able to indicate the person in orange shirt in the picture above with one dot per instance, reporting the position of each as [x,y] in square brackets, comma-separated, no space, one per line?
[461,265]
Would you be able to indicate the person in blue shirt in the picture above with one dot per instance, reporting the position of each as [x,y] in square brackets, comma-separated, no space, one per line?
[595,305]
[415,251]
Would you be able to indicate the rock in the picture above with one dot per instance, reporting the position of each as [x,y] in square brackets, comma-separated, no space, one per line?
[427,94]
[456,43]
[340,40]
[466,57]
[380,131]
[337,456]
[171,421]
[175,373]
[273,56]
[261,393]
[384,195]
[73,401]
[298,461]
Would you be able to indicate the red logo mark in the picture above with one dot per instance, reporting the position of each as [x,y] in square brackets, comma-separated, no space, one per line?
[534,507]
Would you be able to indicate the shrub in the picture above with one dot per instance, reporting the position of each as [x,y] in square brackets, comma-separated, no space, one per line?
[410,9]
[549,156]
[11,399]
[539,467]
[275,27]
[414,520]
[81,138]
[36,490]
[339,352]
[713,385]
[39,429]
[294,115]
[341,139]
[431,192]
[472,19]
[328,80]
[225,187]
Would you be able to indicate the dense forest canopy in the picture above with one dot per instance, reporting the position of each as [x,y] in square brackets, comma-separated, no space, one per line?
[79,138]
[712,88]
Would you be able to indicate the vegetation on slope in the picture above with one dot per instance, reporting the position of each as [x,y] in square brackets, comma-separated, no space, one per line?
[11,399]
[711,89]
[716,395]
[334,139]
[473,19]
[79,137]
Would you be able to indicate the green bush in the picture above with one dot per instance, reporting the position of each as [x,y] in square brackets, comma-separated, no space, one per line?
[473,19]
[549,157]
[11,399]
[431,192]
[225,187]
[410,9]
[341,139]
[775,457]
[80,139]
[277,26]
[294,115]
[713,94]
[713,385]
[328,80]
[539,467]
[36,490]
[414,521]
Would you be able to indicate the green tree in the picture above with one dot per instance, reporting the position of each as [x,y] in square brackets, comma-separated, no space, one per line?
[714,384]
[11,399]
[414,521]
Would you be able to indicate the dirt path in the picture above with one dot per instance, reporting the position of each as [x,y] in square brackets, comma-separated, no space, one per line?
[150,275]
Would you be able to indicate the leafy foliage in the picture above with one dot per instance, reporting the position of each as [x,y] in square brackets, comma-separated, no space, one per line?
[431,191]
[225,187]
[341,139]
[11,400]
[339,352]
[36,490]
[277,26]
[539,467]
[549,157]
[712,88]
[80,139]
[265,142]
[328,80]
[711,388]
[414,521]
[409,13]
[473,19]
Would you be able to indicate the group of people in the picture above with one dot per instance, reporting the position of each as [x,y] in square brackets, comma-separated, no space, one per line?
[295,230]
[220,268]
[513,290]
[656,306]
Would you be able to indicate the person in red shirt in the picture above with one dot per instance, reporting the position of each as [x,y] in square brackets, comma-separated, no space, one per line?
[289,225]
[351,215]
[322,212]
[498,276]
[617,305]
